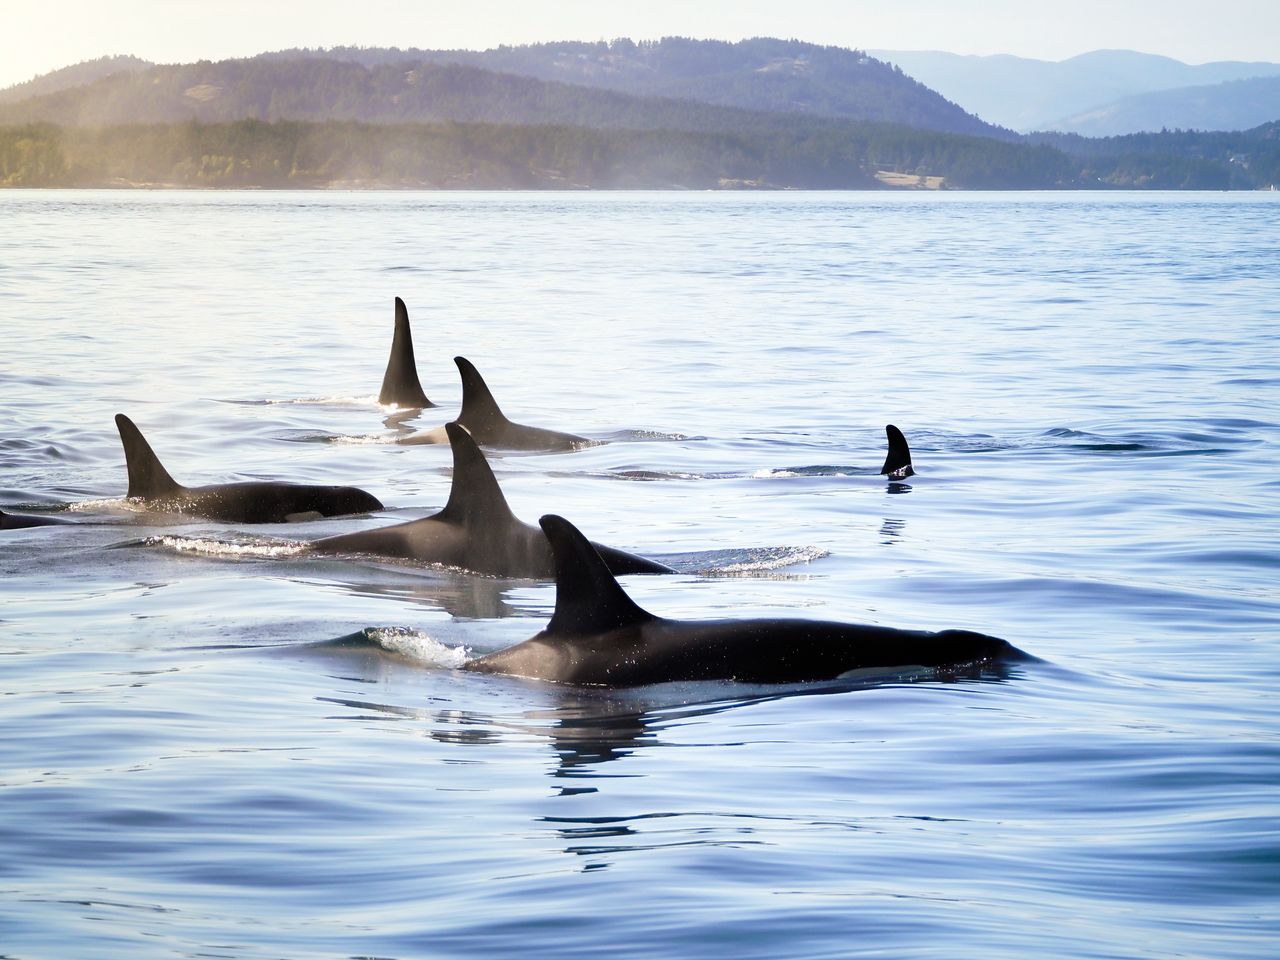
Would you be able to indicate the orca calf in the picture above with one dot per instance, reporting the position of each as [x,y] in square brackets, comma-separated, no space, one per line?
[19,521]
[476,530]
[400,384]
[897,464]
[260,501]
[484,420]
[599,636]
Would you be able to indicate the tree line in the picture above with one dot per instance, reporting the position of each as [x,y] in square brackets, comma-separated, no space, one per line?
[453,155]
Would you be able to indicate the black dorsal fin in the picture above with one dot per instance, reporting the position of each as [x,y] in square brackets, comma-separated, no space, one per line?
[897,465]
[479,410]
[475,496]
[147,476]
[400,384]
[588,597]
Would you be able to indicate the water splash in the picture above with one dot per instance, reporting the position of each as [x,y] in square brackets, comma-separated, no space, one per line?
[419,647]
[209,547]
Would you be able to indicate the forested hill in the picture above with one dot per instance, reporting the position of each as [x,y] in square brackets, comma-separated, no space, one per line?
[671,84]
[763,73]
[73,76]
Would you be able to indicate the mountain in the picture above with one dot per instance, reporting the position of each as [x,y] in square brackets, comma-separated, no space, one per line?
[73,76]
[1025,94]
[1237,105]
[580,83]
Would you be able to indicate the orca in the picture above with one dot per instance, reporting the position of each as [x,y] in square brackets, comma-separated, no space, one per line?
[400,384]
[483,419]
[599,636]
[20,521]
[476,530]
[259,501]
[897,464]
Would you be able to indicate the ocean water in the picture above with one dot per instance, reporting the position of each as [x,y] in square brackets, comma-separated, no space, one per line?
[212,745]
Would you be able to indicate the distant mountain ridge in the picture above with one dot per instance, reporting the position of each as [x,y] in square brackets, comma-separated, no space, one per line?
[759,75]
[1025,94]
[1234,105]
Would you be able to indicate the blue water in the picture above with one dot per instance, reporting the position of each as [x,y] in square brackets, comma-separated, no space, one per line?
[212,746]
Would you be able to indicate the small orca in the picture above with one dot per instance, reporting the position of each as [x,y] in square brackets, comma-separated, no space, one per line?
[476,530]
[599,636]
[19,521]
[261,501]
[485,421]
[897,465]
[400,384]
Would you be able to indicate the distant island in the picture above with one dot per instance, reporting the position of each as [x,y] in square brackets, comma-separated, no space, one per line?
[672,114]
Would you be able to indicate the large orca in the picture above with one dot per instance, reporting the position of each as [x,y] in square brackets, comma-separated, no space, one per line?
[476,530]
[19,521]
[897,464]
[400,384]
[599,635]
[259,501]
[484,420]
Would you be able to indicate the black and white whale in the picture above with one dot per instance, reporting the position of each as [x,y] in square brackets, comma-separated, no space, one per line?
[897,463]
[255,501]
[20,521]
[598,635]
[484,420]
[400,384]
[476,530]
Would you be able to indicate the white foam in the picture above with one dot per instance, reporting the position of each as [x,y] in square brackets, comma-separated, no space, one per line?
[367,439]
[774,559]
[419,647]
[222,548]
[366,401]
[770,474]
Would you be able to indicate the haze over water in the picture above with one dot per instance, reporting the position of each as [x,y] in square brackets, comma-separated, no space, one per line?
[211,745]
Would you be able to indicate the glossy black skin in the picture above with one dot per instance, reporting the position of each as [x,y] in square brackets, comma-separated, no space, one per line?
[21,521]
[599,636]
[255,501]
[400,384]
[475,531]
[747,651]
[485,421]
[265,502]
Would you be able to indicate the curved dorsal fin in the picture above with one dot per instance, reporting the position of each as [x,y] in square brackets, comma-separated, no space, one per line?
[147,476]
[474,496]
[479,410]
[400,384]
[588,597]
[897,465]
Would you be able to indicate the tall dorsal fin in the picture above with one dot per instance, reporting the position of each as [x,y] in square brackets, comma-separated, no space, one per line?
[400,384]
[147,476]
[588,598]
[474,496]
[479,410]
[897,465]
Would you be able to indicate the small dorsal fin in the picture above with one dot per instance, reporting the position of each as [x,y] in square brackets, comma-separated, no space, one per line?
[588,597]
[400,384]
[897,465]
[479,410]
[147,476]
[474,496]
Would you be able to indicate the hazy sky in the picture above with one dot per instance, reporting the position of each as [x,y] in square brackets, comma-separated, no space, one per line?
[39,37]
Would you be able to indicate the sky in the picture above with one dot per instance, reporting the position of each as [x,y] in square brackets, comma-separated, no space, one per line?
[38,37]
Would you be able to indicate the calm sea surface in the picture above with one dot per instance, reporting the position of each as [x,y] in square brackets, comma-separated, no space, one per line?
[213,746]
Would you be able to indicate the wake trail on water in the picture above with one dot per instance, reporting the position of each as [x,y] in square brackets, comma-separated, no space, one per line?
[748,562]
